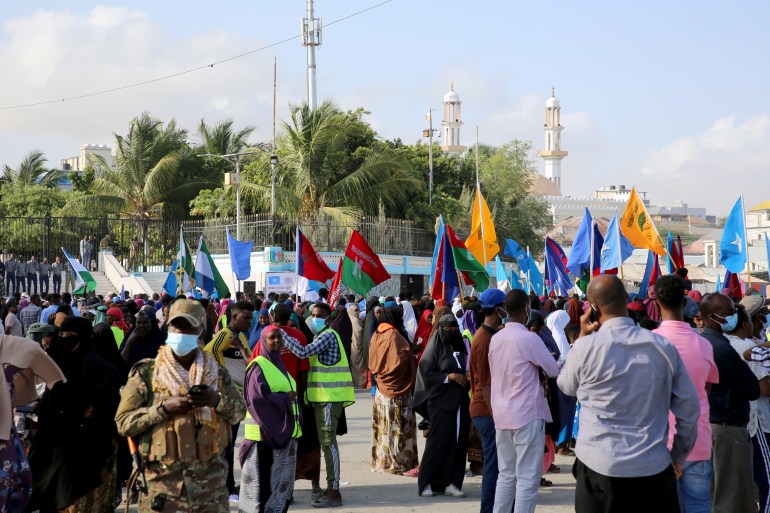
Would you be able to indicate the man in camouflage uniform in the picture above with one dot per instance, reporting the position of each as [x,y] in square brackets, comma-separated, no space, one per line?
[182,433]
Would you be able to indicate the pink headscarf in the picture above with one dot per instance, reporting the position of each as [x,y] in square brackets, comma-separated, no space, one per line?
[695,295]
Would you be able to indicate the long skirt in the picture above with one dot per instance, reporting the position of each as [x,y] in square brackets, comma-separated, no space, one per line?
[394,434]
[102,498]
[443,462]
[267,479]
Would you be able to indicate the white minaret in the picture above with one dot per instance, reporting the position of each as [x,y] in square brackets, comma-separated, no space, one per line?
[452,122]
[553,154]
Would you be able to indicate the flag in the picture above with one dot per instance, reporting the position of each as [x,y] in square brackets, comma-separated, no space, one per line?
[580,255]
[680,253]
[535,278]
[503,283]
[185,272]
[240,257]
[512,249]
[450,282]
[718,287]
[732,246]
[515,280]
[437,260]
[482,242]
[616,248]
[309,262]
[556,274]
[362,269]
[637,225]
[122,292]
[732,286]
[84,282]
[767,249]
[651,274]
[473,271]
[671,250]
[336,289]
[170,285]
[207,275]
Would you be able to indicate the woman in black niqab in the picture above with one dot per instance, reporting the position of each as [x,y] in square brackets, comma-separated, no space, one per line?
[445,402]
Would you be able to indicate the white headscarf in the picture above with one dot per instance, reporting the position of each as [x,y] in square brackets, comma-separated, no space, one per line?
[410,321]
[556,322]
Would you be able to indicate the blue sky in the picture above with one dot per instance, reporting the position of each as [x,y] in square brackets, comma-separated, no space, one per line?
[669,96]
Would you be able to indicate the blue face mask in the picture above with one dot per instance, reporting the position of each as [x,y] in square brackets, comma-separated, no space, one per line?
[504,318]
[317,324]
[181,343]
[731,322]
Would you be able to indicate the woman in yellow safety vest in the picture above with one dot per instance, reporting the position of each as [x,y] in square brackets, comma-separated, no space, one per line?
[268,454]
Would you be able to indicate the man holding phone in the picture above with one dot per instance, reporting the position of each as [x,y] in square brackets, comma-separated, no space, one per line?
[179,408]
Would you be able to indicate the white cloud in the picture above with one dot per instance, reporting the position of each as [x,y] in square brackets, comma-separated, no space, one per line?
[711,168]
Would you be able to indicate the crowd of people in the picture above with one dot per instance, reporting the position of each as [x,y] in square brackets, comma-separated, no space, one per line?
[662,401]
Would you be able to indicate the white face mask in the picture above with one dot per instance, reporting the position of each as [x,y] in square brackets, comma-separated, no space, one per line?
[182,344]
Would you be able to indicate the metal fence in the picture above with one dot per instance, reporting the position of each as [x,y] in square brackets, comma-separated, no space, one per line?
[157,240]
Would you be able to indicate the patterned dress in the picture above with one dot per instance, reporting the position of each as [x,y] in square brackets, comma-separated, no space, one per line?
[394,440]
[15,475]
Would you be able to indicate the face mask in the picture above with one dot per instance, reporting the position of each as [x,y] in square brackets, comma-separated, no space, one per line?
[731,322]
[504,319]
[317,324]
[60,347]
[181,343]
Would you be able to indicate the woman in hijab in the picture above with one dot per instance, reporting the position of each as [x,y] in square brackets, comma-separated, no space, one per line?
[117,324]
[73,456]
[263,319]
[696,296]
[23,360]
[394,440]
[574,310]
[421,336]
[548,306]
[556,322]
[144,341]
[267,475]
[653,310]
[441,395]
[359,355]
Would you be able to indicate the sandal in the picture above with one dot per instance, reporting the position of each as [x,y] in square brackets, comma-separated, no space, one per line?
[545,482]
[415,472]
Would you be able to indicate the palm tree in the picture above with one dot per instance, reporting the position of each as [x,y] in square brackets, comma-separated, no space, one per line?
[319,174]
[221,139]
[32,171]
[156,174]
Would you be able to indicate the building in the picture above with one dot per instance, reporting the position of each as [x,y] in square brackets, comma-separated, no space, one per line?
[452,122]
[758,222]
[88,152]
[553,153]
[619,193]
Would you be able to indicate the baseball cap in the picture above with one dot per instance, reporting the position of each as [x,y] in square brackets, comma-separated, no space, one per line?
[753,304]
[40,327]
[490,298]
[191,311]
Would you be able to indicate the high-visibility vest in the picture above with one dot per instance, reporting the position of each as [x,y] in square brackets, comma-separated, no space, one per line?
[467,334]
[278,382]
[331,383]
[119,335]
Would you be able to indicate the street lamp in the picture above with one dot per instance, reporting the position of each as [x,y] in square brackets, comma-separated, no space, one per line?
[429,134]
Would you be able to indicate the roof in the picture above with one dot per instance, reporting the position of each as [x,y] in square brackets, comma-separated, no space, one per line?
[566,231]
[552,102]
[542,186]
[765,205]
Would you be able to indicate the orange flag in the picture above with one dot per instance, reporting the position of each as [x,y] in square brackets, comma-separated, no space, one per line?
[482,242]
[638,227]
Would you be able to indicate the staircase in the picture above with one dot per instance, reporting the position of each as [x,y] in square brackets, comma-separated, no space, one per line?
[155,281]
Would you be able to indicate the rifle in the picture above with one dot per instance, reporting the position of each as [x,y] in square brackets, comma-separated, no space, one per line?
[136,474]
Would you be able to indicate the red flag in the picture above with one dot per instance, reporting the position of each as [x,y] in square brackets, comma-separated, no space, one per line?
[437,288]
[309,262]
[336,288]
[362,269]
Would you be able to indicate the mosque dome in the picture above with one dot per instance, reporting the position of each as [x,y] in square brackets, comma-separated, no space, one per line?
[451,96]
[552,102]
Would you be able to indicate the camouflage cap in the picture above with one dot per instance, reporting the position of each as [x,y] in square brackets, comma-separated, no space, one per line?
[40,327]
[191,311]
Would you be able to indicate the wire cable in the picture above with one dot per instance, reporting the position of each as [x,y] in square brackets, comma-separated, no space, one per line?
[187,71]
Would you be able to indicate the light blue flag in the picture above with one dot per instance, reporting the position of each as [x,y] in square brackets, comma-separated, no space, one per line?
[240,256]
[515,281]
[732,246]
[503,283]
[580,255]
[536,281]
[669,261]
[767,247]
[512,249]
[436,249]
[718,287]
[170,285]
[613,257]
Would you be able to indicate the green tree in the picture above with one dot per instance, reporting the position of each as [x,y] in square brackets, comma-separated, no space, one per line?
[32,170]
[83,182]
[330,163]
[31,201]
[156,174]
[222,139]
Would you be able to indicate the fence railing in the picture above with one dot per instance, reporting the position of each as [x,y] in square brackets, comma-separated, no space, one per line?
[156,241]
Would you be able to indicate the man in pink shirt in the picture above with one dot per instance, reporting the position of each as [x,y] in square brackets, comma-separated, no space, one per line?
[519,406]
[694,485]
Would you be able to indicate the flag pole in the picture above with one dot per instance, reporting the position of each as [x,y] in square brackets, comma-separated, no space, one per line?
[478,194]
[460,282]
[746,241]
[620,249]
[593,241]
[529,272]
[296,263]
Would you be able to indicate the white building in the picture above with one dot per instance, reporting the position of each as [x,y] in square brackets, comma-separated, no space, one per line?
[553,154]
[452,122]
[758,222]
[88,152]
[619,193]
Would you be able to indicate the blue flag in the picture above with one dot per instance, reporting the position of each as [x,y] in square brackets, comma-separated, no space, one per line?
[449,276]
[240,256]
[503,282]
[555,271]
[651,274]
[616,248]
[718,287]
[512,249]
[436,249]
[515,281]
[580,254]
[536,281]
[171,283]
[670,261]
[732,246]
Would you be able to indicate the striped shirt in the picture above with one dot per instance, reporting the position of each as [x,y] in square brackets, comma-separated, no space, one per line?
[324,345]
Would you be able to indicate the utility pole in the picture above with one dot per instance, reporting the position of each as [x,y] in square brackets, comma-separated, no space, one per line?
[311,37]
[273,156]
[429,134]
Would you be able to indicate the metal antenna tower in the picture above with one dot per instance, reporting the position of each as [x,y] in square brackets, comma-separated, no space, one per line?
[311,37]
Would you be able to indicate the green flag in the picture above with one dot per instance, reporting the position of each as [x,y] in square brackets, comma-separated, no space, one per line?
[185,274]
[83,278]
[207,275]
[362,269]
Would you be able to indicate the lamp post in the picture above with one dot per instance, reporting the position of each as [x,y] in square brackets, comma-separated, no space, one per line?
[429,134]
